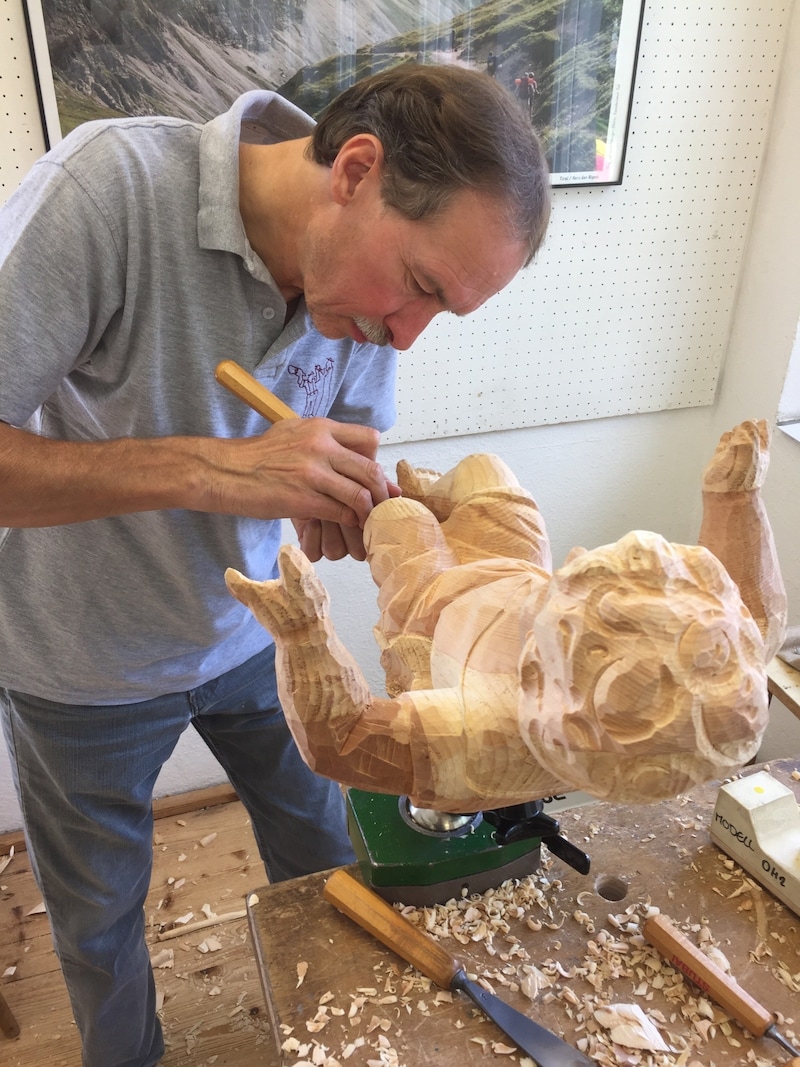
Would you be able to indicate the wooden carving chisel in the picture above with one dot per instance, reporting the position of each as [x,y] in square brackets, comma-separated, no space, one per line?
[242,384]
[721,987]
[237,381]
[381,920]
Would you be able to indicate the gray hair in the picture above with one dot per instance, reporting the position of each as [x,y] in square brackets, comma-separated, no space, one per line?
[444,129]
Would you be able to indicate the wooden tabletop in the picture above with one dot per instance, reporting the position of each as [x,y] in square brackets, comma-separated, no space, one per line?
[582,929]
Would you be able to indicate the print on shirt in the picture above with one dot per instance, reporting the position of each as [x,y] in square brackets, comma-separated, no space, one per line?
[316,386]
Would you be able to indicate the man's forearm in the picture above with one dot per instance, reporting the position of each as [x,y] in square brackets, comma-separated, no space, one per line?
[301,469]
[44,482]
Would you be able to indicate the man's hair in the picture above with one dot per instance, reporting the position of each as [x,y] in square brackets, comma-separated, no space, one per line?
[444,129]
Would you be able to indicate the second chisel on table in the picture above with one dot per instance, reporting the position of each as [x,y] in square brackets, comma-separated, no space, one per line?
[721,987]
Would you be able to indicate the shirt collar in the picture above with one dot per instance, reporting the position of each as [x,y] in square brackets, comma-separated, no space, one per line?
[257,117]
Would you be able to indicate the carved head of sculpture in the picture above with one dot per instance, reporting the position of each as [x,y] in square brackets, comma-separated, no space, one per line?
[643,671]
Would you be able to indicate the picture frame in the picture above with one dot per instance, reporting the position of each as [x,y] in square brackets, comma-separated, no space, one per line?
[570,64]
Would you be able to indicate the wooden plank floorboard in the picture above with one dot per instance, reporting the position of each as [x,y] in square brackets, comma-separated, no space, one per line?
[213,1012]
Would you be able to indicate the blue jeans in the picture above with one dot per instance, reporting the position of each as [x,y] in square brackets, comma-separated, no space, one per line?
[85,779]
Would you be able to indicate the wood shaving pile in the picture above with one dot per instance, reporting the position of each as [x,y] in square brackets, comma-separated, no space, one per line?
[618,964]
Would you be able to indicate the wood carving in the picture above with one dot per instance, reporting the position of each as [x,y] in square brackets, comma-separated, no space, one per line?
[736,529]
[633,672]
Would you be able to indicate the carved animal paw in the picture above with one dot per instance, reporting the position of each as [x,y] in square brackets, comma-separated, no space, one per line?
[415,481]
[741,460]
[288,604]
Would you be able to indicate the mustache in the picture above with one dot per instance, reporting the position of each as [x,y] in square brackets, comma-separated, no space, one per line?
[375,332]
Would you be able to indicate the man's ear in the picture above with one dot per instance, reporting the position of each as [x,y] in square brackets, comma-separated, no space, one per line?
[359,159]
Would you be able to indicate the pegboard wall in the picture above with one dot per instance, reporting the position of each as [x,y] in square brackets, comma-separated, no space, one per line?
[628,306]
[21,134]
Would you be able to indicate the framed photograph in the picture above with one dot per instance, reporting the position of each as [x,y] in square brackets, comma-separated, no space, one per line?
[570,64]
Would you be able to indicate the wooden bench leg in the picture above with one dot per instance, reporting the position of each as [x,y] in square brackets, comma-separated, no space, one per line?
[8,1023]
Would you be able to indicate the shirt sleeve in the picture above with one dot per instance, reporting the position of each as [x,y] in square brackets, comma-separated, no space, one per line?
[61,282]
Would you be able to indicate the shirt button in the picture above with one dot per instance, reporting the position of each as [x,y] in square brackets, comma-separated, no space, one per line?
[268,313]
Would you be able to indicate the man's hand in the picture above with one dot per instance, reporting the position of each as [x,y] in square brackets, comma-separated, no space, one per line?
[320,538]
[303,469]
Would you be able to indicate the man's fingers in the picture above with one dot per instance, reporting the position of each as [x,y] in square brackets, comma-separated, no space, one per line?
[309,534]
[365,473]
[329,539]
[344,540]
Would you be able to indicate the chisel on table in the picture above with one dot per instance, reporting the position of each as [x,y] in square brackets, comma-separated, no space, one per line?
[721,987]
[381,920]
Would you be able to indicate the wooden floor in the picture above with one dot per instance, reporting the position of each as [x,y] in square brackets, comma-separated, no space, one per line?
[213,1010]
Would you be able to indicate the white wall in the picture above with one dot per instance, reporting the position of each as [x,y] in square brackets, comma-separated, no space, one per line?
[596,480]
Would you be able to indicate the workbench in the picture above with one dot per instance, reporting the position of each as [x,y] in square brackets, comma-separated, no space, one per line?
[783,682]
[308,953]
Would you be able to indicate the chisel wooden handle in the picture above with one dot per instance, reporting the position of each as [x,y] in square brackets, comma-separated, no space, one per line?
[724,989]
[381,920]
[252,392]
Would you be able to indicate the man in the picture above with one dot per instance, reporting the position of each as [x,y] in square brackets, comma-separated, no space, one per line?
[134,257]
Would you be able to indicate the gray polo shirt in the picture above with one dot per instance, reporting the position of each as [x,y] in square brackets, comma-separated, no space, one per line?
[125,277]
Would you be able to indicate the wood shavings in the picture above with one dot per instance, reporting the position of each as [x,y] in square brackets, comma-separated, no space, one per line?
[629,1026]
[533,982]
[319,1022]
[785,977]
[302,971]
[4,862]
[377,1022]
[210,944]
[206,841]
[164,958]
[39,909]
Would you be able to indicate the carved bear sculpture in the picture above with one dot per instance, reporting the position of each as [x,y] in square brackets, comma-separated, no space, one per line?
[632,672]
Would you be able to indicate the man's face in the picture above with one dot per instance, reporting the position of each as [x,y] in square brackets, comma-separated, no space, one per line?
[373,275]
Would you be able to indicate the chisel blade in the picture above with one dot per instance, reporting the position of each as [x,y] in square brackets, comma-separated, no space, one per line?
[542,1045]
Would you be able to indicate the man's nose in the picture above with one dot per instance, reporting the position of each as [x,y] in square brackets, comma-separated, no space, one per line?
[409,322]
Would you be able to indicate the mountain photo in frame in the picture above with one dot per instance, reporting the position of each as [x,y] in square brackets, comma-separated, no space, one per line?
[569,63]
